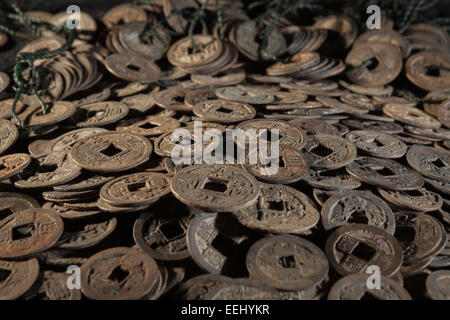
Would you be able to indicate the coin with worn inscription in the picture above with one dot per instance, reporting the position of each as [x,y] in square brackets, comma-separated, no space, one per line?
[430,162]
[12,164]
[17,277]
[377,144]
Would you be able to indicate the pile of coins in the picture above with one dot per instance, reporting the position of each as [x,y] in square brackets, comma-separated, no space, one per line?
[363,183]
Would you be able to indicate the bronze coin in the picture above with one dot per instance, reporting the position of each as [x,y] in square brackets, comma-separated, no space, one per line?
[67,213]
[8,135]
[132,67]
[118,274]
[6,108]
[57,112]
[377,144]
[223,111]
[280,209]
[245,95]
[418,200]
[276,261]
[350,249]
[389,66]
[151,126]
[418,68]
[331,179]
[215,187]
[357,207]
[430,162]
[111,152]
[385,173]
[20,277]
[411,116]
[12,164]
[328,152]
[354,287]
[100,114]
[444,113]
[437,285]
[125,13]
[29,231]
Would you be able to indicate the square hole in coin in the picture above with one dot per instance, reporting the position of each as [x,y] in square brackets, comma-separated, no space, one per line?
[321,151]
[134,67]
[118,274]
[2,167]
[215,185]
[223,244]
[46,168]
[5,213]
[364,252]
[276,205]
[368,296]
[148,125]
[358,217]
[385,172]
[111,150]
[224,110]
[172,230]
[23,231]
[438,163]
[4,274]
[405,234]
[136,186]
[288,262]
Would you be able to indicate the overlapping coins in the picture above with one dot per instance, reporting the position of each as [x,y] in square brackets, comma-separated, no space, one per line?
[364,169]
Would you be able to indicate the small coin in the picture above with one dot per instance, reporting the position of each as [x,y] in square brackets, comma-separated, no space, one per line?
[118,274]
[223,111]
[357,207]
[100,114]
[352,248]
[19,277]
[6,108]
[418,200]
[132,67]
[354,287]
[245,95]
[12,164]
[331,179]
[419,245]
[280,209]
[217,242]
[377,144]
[286,262]
[162,232]
[23,233]
[430,162]
[418,68]
[328,152]
[438,285]
[57,112]
[136,189]
[215,187]
[8,135]
[385,173]
[111,152]
[411,116]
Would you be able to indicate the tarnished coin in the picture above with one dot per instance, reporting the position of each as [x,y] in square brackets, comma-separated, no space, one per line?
[418,200]
[411,116]
[68,213]
[151,126]
[299,62]
[141,102]
[29,231]
[132,67]
[8,135]
[118,274]
[87,232]
[12,164]
[84,182]
[124,13]
[245,95]
[17,277]
[48,171]
[57,112]
[352,248]
[331,179]
[53,286]
[385,173]
[377,144]
[177,22]
[230,78]
[354,287]
[437,185]
[217,243]
[288,165]
[61,144]
[136,189]
[430,162]
[357,207]
[4,79]
[280,209]
[198,287]
[6,108]
[419,68]
[389,65]
[378,126]
[12,203]
[223,111]
[316,126]
[215,187]
[288,134]
[420,235]
[328,152]
[111,152]
[287,263]
[444,113]
[438,285]
[161,232]
[182,54]
[100,114]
